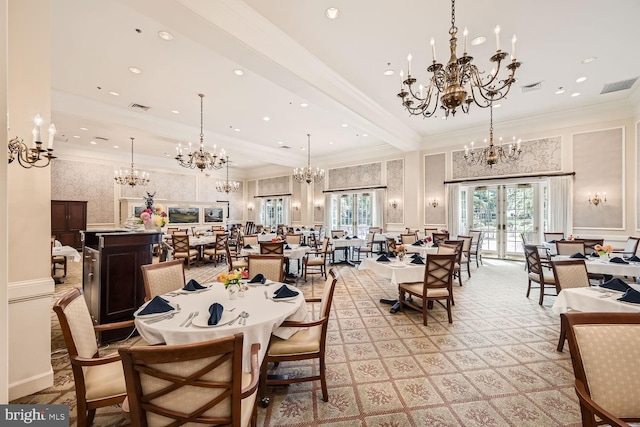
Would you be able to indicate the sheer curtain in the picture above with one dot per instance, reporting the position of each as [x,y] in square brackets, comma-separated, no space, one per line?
[378,208]
[561,204]
[327,214]
[453,209]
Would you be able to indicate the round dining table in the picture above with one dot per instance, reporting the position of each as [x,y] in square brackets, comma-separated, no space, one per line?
[265,315]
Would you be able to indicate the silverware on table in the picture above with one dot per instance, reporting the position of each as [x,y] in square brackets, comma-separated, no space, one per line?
[164,317]
[244,315]
[191,320]
[189,317]
[234,320]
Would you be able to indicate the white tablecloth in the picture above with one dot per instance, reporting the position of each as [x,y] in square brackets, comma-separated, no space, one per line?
[264,318]
[66,251]
[397,272]
[266,237]
[296,251]
[604,266]
[592,299]
[422,250]
[344,243]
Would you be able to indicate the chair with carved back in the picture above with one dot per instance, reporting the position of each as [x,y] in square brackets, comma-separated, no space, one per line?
[536,272]
[307,344]
[270,266]
[171,230]
[391,244]
[465,256]
[235,261]
[458,244]
[476,246]
[99,379]
[271,248]
[436,286]
[162,277]
[189,384]
[182,249]
[440,237]
[218,251]
[368,248]
[316,260]
[590,245]
[250,239]
[604,349]
[569,274]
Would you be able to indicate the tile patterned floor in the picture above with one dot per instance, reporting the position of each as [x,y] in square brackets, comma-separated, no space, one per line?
[496,365]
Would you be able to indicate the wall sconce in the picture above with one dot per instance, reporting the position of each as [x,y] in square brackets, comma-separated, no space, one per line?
[29,157]
[596,199]
[393,203]
[250,207]
[433,203]
[296,206]
[318,206]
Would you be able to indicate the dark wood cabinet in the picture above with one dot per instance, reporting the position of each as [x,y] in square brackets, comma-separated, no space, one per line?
[68,218]
[111,275]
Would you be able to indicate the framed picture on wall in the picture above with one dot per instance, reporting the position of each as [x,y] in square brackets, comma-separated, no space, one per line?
[137,210]
[183,215]
[213,215]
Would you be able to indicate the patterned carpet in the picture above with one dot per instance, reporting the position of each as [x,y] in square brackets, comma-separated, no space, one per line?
[496,365]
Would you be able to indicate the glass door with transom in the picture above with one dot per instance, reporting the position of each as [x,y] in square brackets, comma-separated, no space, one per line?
[506,214]
[352,213]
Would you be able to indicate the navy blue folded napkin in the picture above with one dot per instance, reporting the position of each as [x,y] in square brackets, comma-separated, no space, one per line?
[335,237]
[633,258]
[578,255]
[348,238]
[417,261]
[258,278]
[287,247]
[355,237]
[631,295]
[615,284]
[618,260]
[215,313]
[311,229]
[382,258]
[414,256]
[264,232]
[551,241]
[297,229]
[284,292]
[435,245]
[193,286]
[595,255]
[156,305]
[303,244]
[247,247]
[391,255]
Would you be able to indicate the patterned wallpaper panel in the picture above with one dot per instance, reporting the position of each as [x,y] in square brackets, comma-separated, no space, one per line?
[85,181]
[296,200]
[208,193]
[538,155]
[272,186]
[167,186]
[251,191]
[434,176]
[637,188]
[318,198]
[368,175]
[395,191]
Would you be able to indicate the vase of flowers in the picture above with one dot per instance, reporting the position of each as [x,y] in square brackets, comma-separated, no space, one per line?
[401,250]
[232,281]
[603,251]
[154,218]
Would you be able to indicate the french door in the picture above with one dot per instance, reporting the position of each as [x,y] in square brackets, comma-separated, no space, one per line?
[505,213]
[273,212]
[352,212]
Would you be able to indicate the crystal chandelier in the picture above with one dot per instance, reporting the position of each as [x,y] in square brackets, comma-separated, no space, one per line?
[200,159]
[492,154]
[308,174]
[131,177]
[36,156]
[459,82]
[227,186]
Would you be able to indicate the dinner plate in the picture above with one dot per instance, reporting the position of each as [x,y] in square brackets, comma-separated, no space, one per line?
[202,320]
[273,297]
[150,315]
[183,292]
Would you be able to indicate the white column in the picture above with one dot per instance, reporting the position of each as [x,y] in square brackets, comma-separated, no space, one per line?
[4,221]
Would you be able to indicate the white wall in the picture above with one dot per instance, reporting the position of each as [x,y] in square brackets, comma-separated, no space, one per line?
[4,274]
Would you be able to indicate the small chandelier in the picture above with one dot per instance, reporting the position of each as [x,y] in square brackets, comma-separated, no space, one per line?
[131,177]
[459,82]
[227,186]
[308,174]
[492,154]
[200,159]
[36,156]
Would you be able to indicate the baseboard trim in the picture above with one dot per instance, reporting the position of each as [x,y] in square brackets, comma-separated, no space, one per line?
[31,385]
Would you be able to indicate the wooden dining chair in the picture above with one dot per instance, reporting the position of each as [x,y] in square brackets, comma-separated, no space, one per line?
[198,383]
[270,266]
[293,238]
[569,247]
[552,235]
[99,380]
[569,274]
[316,260]
[436,286]
[235,261]
[368,248]
[590,245]
[57,261]
[307,344]
[218,251]
[182,249]
[271,248]
[162,277]
[536,272]
[476,246]
[250,239]
[604,349]
[458,245]
[440,237]
[428,232]
[630,247]
[408,238]
[465,255]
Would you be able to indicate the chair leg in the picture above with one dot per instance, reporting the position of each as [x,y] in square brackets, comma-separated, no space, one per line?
[563,336]
[529,288]
[449,310]
[65,268]
[424,311]
[323,380]
[541,293]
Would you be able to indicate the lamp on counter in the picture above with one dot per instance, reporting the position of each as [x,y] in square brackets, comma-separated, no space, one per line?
[393,203]
[596,199]
[31,157]
[433,203]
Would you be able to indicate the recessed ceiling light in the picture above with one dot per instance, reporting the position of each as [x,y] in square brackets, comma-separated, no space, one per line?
[365,134]
[478,41]
[84,129]
[304,104]
[330,142]
[76,136]
[115,146]
[93,143]
[280,142]
[302,148]
[344,125]
[573,95]
[389,72]
[589,59]
[236,129]
[266,118]
[165,35]
[167,155]
[135,70]
[249,161]
[581,79]
[238,72]
[175,111]
[560,91]
[444,117]
[497,106]
[114,93]
[332,13]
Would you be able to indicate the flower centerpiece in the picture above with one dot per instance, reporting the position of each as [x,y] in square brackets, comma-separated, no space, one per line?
[603,250]
[231,281]
[154,218]
[277,239]
[428,239]
[572,237]
[401,250]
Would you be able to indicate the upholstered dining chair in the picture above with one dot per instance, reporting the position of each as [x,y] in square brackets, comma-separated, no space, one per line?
[99,380]
[235,261]
[457,244]
[630,247]
[293,238]
[271,248]
[270,266]
[590,245]
[436,286]
[476,245]
[368,248]
[408,238]
[465,256]
[440,237]
[198,383]
[171,230]
[316,260]
[391,244]
[250,239]
[306,344]
[182,250]
[552,235]
[339,234]
[162,277]
[569,247]
[219,249]
[57,260]
[604,349]
[536,272]
[569,274]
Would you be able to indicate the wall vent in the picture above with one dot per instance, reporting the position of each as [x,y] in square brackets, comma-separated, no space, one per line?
[618,86]
[139,106]
[531,87]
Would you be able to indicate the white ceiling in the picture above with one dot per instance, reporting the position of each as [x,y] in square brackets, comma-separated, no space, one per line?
[291,53]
